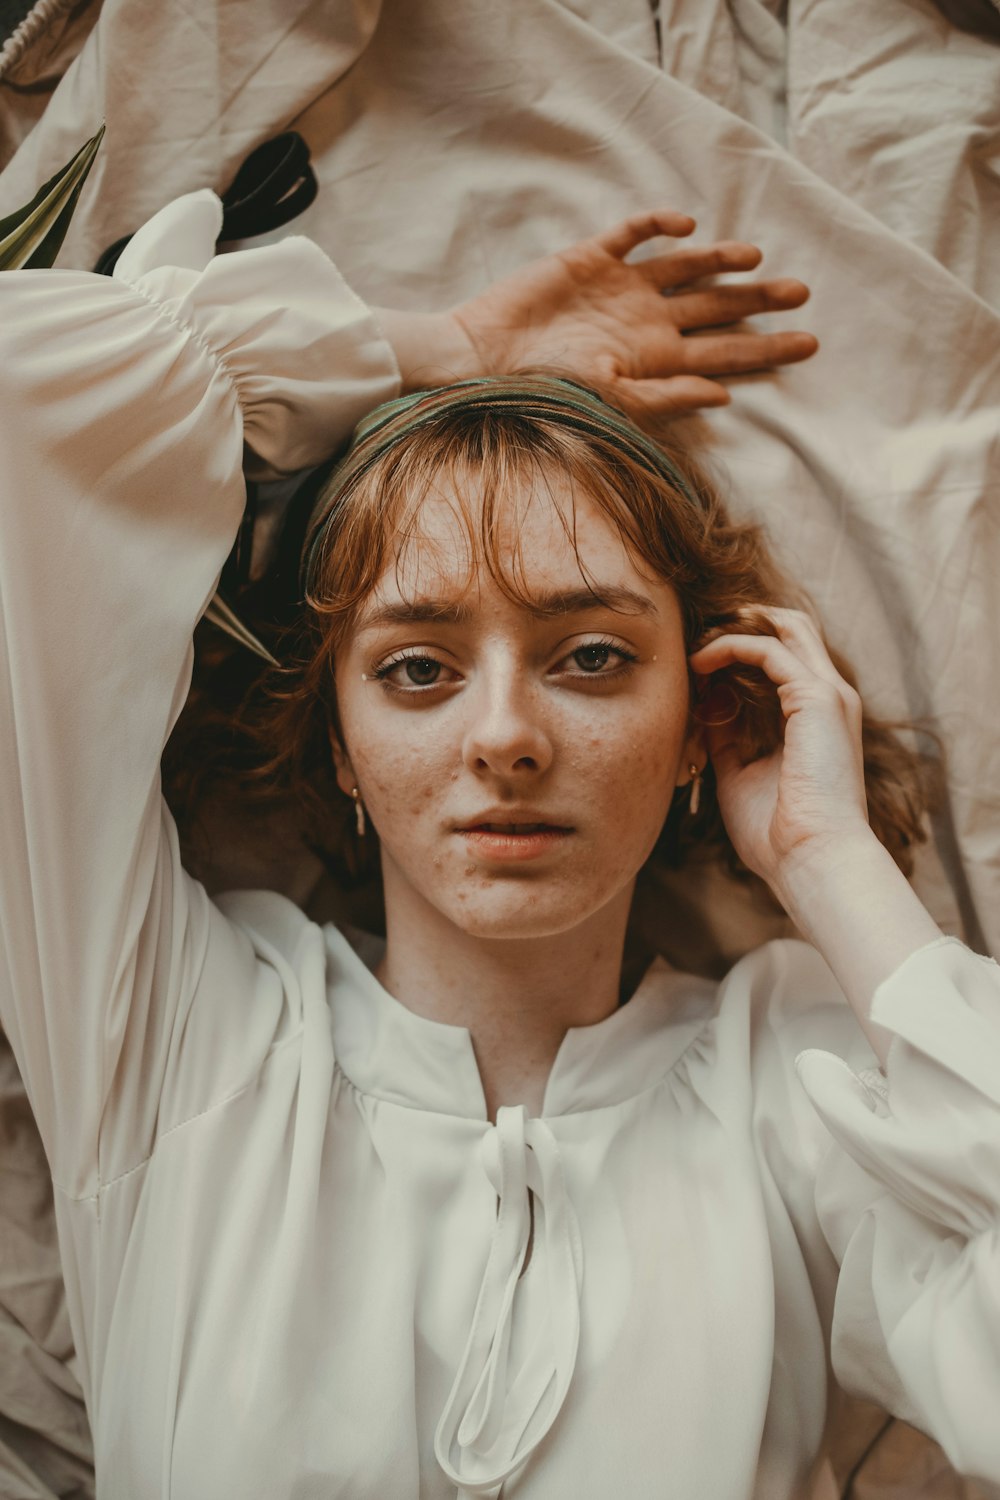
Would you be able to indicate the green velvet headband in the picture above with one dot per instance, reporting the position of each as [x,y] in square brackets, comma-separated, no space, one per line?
[557,400]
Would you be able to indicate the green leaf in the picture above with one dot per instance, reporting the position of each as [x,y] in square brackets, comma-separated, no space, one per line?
[30,239]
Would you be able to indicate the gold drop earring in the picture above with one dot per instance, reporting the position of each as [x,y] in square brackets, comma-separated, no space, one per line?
[359,812]
[695,775]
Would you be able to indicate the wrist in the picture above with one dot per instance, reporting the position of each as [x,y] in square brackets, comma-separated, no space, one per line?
[818,868]
[850,900]
[431,349]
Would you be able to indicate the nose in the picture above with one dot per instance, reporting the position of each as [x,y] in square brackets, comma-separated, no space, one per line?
[505,732]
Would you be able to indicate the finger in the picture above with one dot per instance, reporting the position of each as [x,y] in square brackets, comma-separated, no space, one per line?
[776,660]
[780,665]
[743,353]
[801,634]
[719,305]
[674,396]
[695,261]
[641,227]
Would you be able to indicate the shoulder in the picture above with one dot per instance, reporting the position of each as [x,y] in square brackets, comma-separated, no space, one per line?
[307,957]
[279,931]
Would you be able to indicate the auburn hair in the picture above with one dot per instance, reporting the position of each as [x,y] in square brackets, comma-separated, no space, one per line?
[259,737]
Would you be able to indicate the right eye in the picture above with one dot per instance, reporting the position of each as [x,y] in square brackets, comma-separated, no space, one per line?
[412,672]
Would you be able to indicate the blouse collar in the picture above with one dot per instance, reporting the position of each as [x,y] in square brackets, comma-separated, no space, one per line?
[390,1052]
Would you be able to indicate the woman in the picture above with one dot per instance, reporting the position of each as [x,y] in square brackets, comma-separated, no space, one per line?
[444,1218]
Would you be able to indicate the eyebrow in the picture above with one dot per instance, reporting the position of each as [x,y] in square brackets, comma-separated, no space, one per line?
[616,597]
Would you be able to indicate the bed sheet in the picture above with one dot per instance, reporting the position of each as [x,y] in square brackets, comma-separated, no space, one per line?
[858,145]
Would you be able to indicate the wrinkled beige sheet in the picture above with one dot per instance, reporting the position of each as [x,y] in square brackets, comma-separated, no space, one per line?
[858,144]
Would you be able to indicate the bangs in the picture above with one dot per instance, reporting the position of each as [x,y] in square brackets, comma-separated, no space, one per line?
[489,470]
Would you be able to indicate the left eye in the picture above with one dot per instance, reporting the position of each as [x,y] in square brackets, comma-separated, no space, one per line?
[599,658]
[421,670]
[592,658]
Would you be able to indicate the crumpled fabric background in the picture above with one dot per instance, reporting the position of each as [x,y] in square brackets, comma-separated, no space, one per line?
[859,145]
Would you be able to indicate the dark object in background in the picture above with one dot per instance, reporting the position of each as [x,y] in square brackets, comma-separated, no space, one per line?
[273,186]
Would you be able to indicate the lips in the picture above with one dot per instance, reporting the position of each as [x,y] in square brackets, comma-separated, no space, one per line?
[513,828]
[516,821]
[513,842]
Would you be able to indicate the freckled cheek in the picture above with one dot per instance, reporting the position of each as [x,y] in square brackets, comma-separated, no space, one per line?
[639,750]
[402,773]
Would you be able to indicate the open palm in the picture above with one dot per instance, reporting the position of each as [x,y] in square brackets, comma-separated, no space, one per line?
[641,331]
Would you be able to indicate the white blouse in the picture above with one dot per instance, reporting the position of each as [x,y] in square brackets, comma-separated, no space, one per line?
[294,1245]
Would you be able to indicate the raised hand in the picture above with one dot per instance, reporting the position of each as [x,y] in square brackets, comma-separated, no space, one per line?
[644,331]
[809,794]
[799,816]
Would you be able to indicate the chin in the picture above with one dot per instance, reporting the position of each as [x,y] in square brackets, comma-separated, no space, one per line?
[524,914]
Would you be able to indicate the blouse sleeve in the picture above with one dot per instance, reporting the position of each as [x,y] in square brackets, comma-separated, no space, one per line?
[124,408]
[908,1196]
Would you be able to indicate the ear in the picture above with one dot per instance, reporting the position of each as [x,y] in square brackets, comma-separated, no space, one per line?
[346,778]
[695,753]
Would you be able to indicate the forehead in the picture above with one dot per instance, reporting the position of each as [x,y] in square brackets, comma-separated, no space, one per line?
[538,532]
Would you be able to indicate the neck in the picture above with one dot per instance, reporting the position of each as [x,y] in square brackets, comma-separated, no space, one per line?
[517,997]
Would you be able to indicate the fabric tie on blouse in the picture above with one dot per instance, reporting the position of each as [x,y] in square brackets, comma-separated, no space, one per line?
[483,1434]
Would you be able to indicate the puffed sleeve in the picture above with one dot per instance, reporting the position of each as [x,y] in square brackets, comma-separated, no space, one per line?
[124,408]
[908,1196]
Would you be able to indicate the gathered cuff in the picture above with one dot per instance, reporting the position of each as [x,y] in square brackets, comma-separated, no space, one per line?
[929,1128]
[305,354]
[908,1197]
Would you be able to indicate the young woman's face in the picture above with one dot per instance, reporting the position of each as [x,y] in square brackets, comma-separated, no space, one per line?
[518,765]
